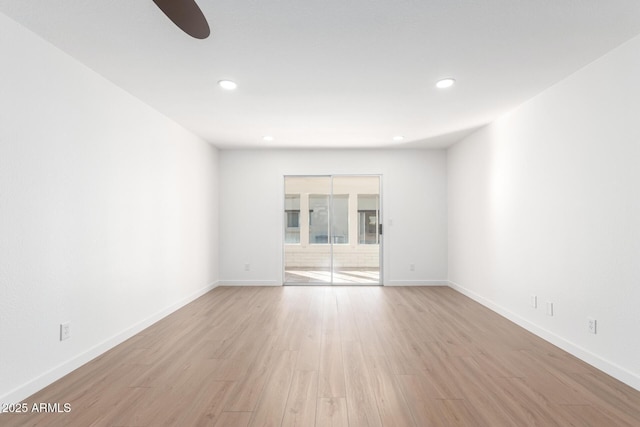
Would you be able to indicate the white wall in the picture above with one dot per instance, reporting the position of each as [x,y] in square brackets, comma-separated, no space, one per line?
[546,201]
[108,213]
[413,197]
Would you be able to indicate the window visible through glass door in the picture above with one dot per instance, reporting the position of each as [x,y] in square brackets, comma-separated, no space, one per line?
[331,230]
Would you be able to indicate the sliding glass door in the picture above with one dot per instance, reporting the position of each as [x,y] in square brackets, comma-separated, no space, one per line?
[332,230]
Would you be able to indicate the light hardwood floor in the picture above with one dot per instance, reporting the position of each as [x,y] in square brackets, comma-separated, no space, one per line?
[342,356]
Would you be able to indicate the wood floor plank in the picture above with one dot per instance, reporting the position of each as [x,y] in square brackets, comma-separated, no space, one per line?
[613,398]
[341,356]
[273,400]
[198,403]
[332,412]
[330,320]
[301,403]
[361,399]
[346,320]
[233,419]
[537,410]
[331,373]
[447,413]
[589,416]
[310,342]
[391,403]
[491,405]
[309,357]
[249,388]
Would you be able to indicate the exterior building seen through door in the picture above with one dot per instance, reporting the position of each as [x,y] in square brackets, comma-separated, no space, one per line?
[331,230]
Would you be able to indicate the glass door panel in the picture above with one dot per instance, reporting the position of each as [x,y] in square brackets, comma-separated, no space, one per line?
[307,249]
[355,214]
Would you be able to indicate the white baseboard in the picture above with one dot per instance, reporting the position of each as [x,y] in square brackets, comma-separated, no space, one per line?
[581,353]
[417,283]
[22,392]
[249,283]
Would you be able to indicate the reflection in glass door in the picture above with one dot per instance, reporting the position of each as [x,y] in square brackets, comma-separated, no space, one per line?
[331,230]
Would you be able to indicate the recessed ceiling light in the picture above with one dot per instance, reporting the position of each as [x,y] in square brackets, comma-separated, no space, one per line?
[267,138]
[445,83]
[398,138]
[227,84]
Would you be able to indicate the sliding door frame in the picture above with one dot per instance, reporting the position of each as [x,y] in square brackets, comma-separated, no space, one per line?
[330,236]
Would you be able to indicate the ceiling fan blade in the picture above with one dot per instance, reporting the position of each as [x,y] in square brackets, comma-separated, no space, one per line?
[186,15]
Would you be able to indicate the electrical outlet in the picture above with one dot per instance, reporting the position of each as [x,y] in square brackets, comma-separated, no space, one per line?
[592,324]
[549,308]
[412,267]
[247,267]
[534,301]
[65,331]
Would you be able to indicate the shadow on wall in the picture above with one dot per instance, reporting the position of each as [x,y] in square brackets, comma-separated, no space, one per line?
[443,140]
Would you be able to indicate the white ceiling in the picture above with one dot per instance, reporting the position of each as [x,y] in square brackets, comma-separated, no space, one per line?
[335,73]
